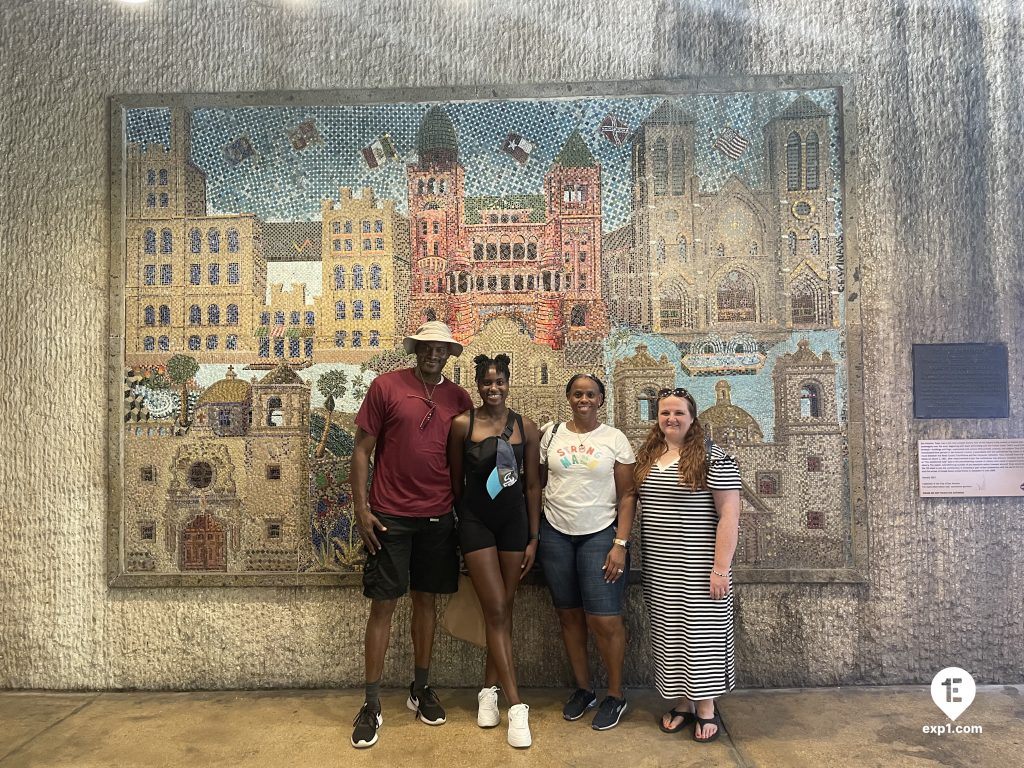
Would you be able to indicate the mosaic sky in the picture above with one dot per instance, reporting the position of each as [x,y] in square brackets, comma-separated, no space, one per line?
[280,183]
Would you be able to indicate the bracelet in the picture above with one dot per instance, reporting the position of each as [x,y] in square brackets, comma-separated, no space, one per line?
[717,573]
[534,536]
[621,542]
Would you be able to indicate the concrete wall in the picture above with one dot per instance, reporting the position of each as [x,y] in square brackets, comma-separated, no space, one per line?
[940,220]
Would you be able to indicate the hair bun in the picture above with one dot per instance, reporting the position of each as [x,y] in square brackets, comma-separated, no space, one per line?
[503,359]
[481,360]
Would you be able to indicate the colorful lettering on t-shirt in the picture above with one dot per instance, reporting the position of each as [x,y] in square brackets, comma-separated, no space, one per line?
[588,458]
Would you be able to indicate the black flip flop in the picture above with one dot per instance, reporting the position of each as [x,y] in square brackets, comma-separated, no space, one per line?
[688,719]
[713,720]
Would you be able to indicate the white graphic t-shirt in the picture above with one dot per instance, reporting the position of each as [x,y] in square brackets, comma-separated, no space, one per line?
[580,494]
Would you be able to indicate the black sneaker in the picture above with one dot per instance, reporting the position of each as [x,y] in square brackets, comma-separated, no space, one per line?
[580,701]
[609,713]
[423,701]
[366,724]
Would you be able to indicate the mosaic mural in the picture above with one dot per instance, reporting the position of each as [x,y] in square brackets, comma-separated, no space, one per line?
[273,258]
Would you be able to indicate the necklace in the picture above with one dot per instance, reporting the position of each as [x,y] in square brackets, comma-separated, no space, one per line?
[428,399]
[429,394]
[670,452]
[583,435]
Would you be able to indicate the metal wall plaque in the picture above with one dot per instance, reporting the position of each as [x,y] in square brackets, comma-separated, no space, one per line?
[961,381]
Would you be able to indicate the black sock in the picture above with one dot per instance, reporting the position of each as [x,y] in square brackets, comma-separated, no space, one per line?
[422,674]
[373,695]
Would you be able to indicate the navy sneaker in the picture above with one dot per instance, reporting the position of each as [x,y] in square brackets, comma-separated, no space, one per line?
[580,701]
[366,724]
[424,702]
[609,713]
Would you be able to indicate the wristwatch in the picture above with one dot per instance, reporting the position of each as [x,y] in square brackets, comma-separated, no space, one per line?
[621,542]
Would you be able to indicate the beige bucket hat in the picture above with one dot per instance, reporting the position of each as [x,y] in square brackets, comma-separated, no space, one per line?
[433,330]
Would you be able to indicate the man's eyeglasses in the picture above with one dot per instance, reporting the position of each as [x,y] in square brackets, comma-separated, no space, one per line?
[677,392]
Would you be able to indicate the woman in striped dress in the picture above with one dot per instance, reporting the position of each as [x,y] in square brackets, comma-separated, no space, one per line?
[689,491]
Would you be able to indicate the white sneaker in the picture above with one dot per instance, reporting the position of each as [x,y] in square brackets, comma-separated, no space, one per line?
[519,726]
[488,715]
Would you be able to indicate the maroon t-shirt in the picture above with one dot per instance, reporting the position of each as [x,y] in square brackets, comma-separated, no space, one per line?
[410,474]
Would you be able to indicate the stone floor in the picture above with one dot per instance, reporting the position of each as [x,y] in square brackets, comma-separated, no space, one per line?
[860,727]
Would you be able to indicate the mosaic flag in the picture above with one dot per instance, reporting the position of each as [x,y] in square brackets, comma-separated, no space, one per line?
[613,129]
[238,150]
[731,144]
[304,134]
[518,147]
[379,151]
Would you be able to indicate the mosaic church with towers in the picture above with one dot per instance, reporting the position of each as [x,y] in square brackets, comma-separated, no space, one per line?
[690,262]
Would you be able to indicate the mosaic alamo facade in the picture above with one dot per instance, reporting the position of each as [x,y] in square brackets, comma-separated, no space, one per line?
[274,257]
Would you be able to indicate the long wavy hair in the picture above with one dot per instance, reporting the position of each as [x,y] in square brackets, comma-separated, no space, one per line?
[693,464]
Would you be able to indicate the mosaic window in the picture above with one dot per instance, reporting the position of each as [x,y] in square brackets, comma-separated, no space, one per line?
[812,161]
[768,483]
[793,163]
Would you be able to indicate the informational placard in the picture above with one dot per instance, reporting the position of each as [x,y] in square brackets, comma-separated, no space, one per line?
[961,381]
[970,467]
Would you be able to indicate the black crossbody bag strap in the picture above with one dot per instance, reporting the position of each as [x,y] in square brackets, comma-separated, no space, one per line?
[551,436]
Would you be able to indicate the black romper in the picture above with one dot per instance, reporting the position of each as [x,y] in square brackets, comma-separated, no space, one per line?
[485,522]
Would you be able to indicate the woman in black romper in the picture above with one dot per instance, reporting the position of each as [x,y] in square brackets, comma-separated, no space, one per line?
[499,514]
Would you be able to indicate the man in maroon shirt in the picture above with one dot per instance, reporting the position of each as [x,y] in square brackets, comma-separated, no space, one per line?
[407,527]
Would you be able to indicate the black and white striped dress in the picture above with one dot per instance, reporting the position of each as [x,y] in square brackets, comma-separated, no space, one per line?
[691,634]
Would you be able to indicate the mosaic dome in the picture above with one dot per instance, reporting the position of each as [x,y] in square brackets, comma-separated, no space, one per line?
[724,414]
[436,133]
[230,389]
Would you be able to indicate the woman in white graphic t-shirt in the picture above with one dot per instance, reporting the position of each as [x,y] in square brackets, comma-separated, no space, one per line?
[589,502]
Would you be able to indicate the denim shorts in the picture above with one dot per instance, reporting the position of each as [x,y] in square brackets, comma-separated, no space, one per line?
[574,570]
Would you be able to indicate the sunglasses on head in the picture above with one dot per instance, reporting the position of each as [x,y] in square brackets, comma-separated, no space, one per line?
[677,392]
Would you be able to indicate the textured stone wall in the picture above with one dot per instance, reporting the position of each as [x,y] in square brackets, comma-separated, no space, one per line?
[938,211]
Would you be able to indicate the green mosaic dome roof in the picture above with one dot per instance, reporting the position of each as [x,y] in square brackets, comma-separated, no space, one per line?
[575,153]
[436,132]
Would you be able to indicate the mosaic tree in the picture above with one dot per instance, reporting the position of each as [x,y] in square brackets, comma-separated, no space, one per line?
[180,370]
[332,384]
